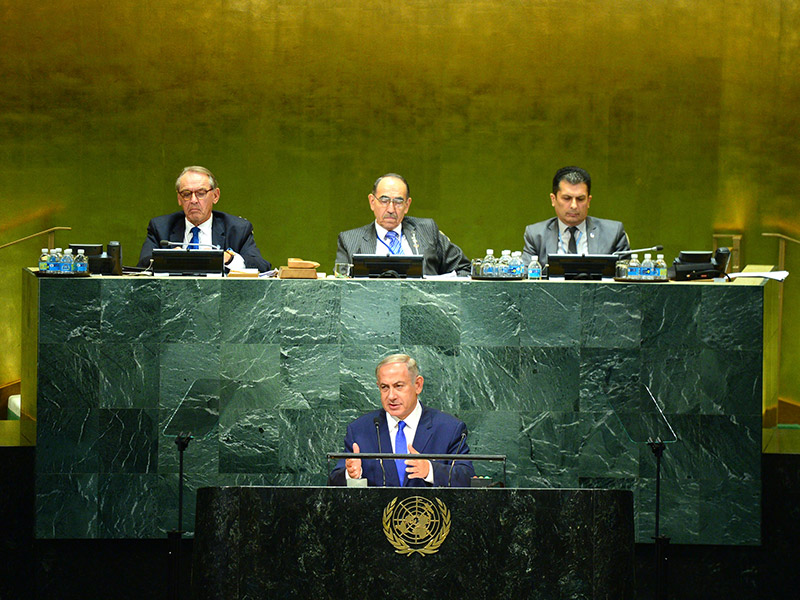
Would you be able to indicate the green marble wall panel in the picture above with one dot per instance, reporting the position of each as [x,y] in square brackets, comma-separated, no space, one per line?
[266,374]
[301,103]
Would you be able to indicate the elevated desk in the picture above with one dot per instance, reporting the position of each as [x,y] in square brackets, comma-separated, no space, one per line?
[285,542]
[266,374]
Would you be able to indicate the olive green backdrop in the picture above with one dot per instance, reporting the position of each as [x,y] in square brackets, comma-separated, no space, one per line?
[685,113]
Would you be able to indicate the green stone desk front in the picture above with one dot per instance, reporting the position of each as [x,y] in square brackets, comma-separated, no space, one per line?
[267,373]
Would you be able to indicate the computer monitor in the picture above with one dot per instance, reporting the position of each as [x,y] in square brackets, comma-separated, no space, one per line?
[177,261]
[392,266]
[582,266]
[88,249]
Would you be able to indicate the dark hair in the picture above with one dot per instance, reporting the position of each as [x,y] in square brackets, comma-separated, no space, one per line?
[396,176]
[573,175]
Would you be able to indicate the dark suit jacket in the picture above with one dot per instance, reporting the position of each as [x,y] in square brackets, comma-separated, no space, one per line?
[440,255]
[438,433]
[603,237]
[227,231]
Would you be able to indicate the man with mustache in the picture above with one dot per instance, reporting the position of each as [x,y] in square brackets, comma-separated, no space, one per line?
[393,232]
[572,231]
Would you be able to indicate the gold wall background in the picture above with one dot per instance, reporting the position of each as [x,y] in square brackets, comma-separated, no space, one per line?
[685,113]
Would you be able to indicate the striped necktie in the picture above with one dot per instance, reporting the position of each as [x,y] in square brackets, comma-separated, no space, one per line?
[393,241]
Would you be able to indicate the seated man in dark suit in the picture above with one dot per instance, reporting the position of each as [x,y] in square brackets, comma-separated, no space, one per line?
[200,227]
[572,231]
[404,427]
[394,233]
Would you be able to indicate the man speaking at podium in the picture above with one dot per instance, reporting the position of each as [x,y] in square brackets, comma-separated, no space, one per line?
[200,227]
[404,426]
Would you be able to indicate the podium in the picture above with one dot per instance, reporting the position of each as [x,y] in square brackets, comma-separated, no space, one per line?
[314,542]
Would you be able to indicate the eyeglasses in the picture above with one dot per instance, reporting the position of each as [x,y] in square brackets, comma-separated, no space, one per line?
[187,194]
[384,200]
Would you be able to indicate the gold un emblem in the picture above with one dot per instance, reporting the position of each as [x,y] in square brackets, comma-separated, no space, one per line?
[416,525]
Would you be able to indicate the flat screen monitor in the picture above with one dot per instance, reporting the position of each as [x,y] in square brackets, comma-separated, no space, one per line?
[582,266]
[187,262]
[88,249]
[392,266]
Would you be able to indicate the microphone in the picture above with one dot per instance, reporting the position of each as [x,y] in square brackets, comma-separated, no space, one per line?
[168,244]
[622,253]
[458,451]
[377,421]
[414,240]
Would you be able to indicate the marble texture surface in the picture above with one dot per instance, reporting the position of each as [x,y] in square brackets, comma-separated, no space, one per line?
[266,375]
[289,542]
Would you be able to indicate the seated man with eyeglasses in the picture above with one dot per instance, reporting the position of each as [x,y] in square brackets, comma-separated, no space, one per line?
[199,227]
[393,232]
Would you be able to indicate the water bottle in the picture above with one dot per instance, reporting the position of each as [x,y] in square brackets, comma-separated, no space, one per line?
[54,261]
[44,259]
[516,265]
[503,265]
[647,270]
[634,268]
[81,262]
[67,264]
[488,265]
[661,268]
[534,268]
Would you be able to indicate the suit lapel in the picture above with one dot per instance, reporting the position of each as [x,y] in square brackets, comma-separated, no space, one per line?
[591,235]
[369,240]
[178,230]
[410,233]
[551,243]
[423,434]
[218,232]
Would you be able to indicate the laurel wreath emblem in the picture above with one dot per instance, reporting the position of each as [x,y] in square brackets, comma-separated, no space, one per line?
[416,525]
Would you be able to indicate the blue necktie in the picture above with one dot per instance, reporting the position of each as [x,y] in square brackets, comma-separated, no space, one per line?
[194,244]
[395,247]
[400,447]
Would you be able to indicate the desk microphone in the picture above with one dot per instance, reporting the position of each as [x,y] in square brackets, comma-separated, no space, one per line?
[168,244]
[622,253]
[458,451]
[377,421]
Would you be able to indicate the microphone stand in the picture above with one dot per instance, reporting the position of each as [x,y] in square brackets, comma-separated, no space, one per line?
[662,542]
[377,422]
[175,537]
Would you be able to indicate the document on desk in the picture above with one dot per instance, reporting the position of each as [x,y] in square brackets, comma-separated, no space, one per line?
[776,275]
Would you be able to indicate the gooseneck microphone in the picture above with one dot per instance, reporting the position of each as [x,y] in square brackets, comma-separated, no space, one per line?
[458,451]
[168,244]
[377,421]
[622,253]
